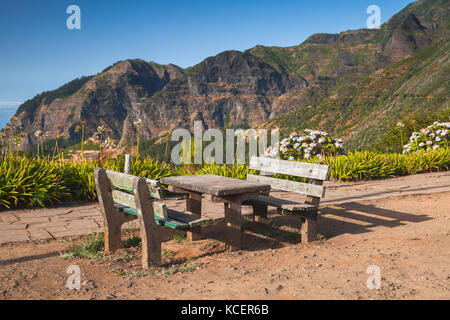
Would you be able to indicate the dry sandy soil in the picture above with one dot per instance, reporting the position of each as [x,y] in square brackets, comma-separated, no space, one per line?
[407,237]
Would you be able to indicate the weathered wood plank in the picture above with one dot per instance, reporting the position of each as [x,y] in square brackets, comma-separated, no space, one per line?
[233,225]
[293,168]
[121,180]
[174,220]
[281,203]
[150,232]
[175,224]
[309,230]
[112,220]
[159,209]
[287,185]
[125,182]
[194,205]
[214,185]
[190,219]
[124,198]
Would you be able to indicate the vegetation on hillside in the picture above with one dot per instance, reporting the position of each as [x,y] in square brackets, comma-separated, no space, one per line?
[48,97]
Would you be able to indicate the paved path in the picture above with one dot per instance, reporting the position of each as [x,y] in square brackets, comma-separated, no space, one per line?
[77,219]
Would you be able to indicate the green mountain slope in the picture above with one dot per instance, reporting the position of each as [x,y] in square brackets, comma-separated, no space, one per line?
[361,113]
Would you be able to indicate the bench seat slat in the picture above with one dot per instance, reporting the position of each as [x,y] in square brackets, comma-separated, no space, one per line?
[287,185]
[281,203]
[175,220]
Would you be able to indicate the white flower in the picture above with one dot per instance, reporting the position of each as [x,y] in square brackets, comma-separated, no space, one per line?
[38,133]
[138,123]
[429,142]
[421,144]
[438,139]
[321,140]
[291,158]
[436,146]
[400,124]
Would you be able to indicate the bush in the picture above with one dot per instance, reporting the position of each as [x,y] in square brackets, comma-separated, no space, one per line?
[307,145]
[374,165]
[430,138]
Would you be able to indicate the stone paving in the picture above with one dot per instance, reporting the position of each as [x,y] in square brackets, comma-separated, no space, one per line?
[83,218]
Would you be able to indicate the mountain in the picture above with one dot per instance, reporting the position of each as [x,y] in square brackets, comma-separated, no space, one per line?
[351,84]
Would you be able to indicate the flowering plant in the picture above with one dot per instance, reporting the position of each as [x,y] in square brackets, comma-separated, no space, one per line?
[307,145]
[430,138]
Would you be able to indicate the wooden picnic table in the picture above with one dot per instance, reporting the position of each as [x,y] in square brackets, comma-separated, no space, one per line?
[232,192]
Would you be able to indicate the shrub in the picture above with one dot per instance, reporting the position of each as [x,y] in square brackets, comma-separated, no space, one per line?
[307,145]
[238,171]
[31,182]
[430,138]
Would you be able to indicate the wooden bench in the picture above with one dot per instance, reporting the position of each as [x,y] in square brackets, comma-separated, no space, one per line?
[314,190]
[123,198]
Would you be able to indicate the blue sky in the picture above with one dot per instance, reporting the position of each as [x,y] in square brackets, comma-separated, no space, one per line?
[39,53]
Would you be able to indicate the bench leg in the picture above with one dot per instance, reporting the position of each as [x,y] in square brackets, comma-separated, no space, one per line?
[309,230]
[112,220]
[233,225]
[112,231]
[259,211]
[194,205]
[151,243]
[151,240]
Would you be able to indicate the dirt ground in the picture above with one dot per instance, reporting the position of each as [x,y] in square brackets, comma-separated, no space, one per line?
[407,237]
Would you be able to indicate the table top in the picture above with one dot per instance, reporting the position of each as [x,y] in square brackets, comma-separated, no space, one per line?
[214,185]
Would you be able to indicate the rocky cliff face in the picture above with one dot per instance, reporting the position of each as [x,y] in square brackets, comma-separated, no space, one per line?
[236,88]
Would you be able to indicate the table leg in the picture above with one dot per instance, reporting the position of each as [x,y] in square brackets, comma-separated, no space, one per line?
[233,225]
[194,205]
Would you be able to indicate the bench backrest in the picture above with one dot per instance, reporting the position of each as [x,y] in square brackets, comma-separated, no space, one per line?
[126,195]
[315,173]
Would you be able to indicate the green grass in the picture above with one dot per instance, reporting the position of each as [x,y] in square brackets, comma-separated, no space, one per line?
[133,241]
[178,238]
[188,267]
[91,248]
